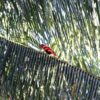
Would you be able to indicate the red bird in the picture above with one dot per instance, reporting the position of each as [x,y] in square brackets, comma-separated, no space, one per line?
[48,50]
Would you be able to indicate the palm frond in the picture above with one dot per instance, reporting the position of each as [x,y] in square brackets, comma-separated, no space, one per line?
[28,74]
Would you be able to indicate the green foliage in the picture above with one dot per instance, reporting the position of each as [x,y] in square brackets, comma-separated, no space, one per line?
[70,27]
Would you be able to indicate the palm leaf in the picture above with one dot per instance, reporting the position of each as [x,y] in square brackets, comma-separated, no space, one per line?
[28,74]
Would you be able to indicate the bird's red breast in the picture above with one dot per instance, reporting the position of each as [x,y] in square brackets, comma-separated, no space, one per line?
[48,50]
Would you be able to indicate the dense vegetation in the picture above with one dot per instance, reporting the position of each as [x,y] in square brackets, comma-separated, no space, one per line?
[69,27]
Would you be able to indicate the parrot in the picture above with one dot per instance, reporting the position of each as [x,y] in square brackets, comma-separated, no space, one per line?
[48,50]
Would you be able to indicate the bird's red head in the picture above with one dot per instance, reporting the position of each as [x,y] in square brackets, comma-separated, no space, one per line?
[41,45]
